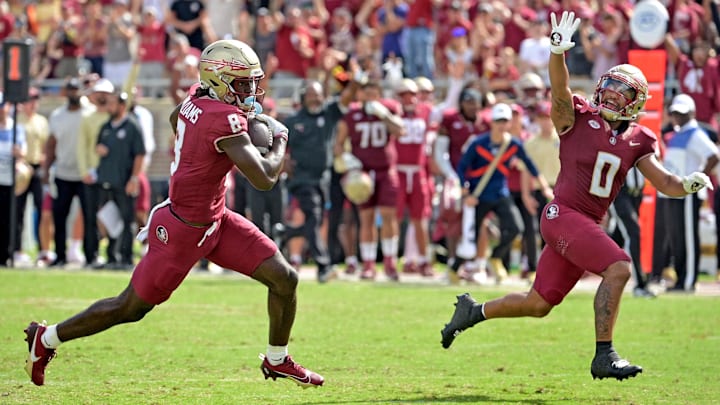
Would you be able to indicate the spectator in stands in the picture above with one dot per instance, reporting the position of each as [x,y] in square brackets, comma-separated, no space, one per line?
[698,77]
[391,18]
[501,73]
[341,35]
[36,136]
[152,50]
[121,33]
[455,16]
[458,51]
[182,66]
[517,18]
[487,29]
[686,25]
[601,45]
[96,44]
[62,153]
[47,17]
[67,44]
[295,47]
[190,18]
[579,63]
[419,38]
[535,50]
[7,22]
[316,17]
[264,34]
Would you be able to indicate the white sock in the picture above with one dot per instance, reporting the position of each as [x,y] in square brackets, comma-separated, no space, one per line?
[50,338]
[351,260]
[296,258]
[276,354]
[368,251]
[411,246]
[75,244]
[390,247]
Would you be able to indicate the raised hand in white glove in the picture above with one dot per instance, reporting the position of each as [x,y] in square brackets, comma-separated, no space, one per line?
[561,34]
[377,109]
[276,127]
[346,162]
[695,182]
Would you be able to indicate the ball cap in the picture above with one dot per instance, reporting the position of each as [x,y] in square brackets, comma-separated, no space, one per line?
[103,86]
[501,111]
[682,104]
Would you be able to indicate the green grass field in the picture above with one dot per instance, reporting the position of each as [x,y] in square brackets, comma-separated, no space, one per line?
[374,343]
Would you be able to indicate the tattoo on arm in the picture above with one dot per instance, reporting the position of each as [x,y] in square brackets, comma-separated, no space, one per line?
[563,106]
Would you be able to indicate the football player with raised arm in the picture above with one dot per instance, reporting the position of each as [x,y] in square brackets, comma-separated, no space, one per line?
[211,137]
[599,142]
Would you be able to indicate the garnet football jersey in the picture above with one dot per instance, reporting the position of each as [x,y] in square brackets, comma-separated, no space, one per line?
[370,138]
[594,161]
[412,144]
[459,130]
[198,173]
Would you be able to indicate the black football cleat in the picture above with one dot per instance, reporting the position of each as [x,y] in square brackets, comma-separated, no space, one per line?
[612,366]
[460,321]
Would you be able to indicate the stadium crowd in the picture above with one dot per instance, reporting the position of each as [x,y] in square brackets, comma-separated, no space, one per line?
[490,57]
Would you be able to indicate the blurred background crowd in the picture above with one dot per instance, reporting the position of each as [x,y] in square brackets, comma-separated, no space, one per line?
[84,52]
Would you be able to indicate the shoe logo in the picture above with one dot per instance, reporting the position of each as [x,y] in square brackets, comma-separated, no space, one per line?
[33,357]
[305,380]
[620,363]
[633,143]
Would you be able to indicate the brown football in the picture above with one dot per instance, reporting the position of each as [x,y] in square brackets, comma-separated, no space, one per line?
[260,135]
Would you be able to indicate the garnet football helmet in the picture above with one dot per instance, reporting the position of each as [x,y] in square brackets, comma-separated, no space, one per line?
[627,81]
[230,70]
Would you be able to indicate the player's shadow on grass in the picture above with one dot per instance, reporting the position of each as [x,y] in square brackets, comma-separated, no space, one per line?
[434,399]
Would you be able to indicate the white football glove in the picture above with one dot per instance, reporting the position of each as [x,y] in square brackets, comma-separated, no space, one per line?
[561,34]
[276,127]
[346,162]
[695,182]
[377,109]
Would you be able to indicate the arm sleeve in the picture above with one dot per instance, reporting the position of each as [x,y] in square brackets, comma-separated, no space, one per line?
[442,157]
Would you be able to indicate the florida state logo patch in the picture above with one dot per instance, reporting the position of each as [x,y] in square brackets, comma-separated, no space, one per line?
[555,38]
[552,211]
[162,234]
